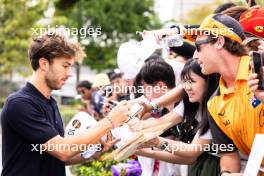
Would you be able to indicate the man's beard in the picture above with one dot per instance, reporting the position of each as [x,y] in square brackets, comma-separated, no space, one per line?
[51,83]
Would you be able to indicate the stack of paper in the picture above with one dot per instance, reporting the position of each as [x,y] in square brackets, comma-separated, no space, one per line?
[128,147]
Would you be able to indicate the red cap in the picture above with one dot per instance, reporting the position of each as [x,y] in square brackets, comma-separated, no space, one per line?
[252,21]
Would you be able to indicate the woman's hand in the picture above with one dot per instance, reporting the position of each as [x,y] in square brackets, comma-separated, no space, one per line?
[144,103]
[159,33]
[109,143]
[106,108]
[136,125]
[155,142]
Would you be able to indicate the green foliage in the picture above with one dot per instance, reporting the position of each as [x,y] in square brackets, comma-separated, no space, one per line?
[260,2]
[2,101]
[7,88]
[240,2]
[17,18]
[94,168]
[67,113]
[117,21]
[197,14]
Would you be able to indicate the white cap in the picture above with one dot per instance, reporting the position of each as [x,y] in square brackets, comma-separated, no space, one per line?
[131,55]
[100,80]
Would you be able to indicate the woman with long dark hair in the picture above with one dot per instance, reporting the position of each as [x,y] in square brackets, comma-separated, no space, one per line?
[194,133]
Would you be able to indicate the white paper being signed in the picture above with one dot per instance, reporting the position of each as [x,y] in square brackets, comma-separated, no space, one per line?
[256,156]
[123,133]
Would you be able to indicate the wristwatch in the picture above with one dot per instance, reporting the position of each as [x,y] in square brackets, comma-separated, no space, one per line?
[154,107]
[164,145]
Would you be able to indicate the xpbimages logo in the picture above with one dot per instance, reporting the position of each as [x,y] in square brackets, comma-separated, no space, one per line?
[83,33]
[212,148]
[65,147]
[146,90]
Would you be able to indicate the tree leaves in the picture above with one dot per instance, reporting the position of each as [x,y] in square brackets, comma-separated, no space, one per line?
[16,22]
[118,21]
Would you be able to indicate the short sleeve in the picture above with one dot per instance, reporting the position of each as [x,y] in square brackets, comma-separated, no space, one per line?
[27,119]
[219,137]
[179,109]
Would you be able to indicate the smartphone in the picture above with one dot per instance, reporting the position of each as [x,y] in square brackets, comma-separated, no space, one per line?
[111,104]
[257,64]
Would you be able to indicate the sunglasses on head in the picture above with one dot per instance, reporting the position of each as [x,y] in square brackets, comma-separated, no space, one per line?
[198,43]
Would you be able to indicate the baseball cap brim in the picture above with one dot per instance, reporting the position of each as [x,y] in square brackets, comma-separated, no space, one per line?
[217,24]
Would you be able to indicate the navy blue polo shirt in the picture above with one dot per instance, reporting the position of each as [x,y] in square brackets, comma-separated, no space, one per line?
[28,120]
